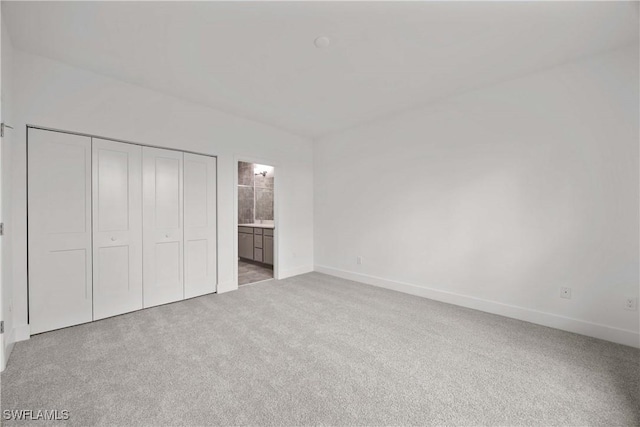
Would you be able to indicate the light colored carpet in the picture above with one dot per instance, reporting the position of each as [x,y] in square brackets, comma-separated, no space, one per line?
[315,349]
[249,272]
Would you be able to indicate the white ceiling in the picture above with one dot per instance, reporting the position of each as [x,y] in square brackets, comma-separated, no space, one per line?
[258,60]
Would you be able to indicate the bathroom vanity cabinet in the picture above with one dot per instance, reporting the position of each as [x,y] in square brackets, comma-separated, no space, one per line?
[256,243]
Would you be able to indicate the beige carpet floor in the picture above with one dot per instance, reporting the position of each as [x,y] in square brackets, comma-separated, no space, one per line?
[318,350]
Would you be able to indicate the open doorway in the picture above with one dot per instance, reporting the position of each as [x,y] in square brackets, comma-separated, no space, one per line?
[256,225]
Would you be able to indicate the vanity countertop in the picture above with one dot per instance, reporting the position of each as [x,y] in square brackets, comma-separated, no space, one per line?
[258,225]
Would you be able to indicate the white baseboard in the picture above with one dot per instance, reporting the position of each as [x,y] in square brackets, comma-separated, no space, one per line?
[582,327]
[226,287]
[303,269]
[8,348]
[22,333]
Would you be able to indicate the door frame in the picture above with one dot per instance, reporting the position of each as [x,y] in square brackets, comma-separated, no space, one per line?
[276,216]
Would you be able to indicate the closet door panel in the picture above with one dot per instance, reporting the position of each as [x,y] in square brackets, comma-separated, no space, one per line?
[59,229]
[162,226]
[199,225]
[117,228]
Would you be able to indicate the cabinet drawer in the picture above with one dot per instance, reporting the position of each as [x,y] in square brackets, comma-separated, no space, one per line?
[257,255]
[245,230]
[257,230]
[257,242]
[268,231]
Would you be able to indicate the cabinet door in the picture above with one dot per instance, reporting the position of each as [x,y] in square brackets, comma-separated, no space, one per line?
[199,225]
[59,221]
[257,254]
[268,249]
[162,230]
[117,228]
[245,245]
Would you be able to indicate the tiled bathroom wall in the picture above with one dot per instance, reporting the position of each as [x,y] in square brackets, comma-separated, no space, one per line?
[264,201]
[254,192]
[245,174]
[245,193]
[245,205]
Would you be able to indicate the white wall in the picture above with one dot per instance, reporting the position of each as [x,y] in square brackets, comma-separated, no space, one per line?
[496,198]
[7,117]
[51,94]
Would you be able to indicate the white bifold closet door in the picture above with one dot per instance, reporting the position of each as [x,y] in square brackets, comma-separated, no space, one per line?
[162,173]
[117,228]
[199,225]
[59,229]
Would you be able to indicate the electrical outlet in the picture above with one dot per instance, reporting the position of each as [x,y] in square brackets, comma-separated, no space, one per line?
[359,260]
[565,292]
[630,304]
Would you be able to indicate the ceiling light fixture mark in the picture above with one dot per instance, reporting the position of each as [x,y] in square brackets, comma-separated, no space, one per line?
[322,42]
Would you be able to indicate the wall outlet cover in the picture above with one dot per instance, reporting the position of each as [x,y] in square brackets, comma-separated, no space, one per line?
[631,303]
